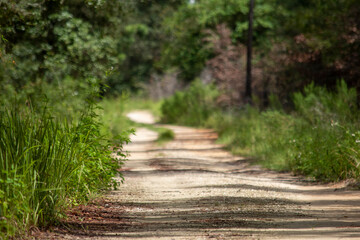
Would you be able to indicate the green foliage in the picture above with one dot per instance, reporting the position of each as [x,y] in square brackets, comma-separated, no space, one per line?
[187,48]
[113,116]
[263,135]
[235,14]
[51,40]
[142,37]
[165,135]
[48,162]
[322,42]
[319,139]
[313,40]
[317,105]
[90,53]
[66,99]
[296,42]
[327,140]
[191,107]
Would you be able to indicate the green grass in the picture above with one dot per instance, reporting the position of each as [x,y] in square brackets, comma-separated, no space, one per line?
[113,116]
[320,138]
[252,133]
[48,163]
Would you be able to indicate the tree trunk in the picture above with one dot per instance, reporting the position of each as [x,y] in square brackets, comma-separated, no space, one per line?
[248,92]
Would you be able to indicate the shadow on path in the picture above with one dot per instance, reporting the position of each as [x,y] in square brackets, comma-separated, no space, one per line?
[191,188]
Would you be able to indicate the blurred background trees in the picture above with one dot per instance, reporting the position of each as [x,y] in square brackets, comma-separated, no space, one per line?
[127,44]
[296,43]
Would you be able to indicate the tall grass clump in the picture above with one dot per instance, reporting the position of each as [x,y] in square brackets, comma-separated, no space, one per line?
[263,135]
[319,138]
[38,156]
[327,140]
[48,163]
[190,107]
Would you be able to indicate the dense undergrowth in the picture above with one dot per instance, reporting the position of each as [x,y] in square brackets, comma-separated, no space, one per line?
[320,138]
[54,153]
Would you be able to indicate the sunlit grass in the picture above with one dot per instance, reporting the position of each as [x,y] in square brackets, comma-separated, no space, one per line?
[319,139]
[48,163]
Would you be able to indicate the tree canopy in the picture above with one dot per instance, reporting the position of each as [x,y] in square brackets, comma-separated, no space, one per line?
[296,42]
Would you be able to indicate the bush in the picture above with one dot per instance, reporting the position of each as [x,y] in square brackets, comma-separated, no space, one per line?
[327,138]
[191,107]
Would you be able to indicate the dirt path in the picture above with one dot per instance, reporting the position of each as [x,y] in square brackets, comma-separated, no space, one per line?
[191,188]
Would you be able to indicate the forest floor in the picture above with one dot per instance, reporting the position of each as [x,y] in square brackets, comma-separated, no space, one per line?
[191,188]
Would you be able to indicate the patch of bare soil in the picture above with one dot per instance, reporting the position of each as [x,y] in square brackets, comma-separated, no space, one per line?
[191,188]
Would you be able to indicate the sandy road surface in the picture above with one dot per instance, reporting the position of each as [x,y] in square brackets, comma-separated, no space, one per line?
[191,188]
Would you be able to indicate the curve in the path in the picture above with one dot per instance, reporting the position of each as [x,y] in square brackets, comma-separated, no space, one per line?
[191,188]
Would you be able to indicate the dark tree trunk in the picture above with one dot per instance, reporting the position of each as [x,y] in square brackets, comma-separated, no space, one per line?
[248,93]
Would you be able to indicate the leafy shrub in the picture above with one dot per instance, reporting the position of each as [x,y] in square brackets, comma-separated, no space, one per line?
[191,107]
[51,41]
[187,49]
[165,135]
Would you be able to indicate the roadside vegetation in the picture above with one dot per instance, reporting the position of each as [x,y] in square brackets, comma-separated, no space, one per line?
[67,69]
[52,159]
[319,138]
[55,150]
